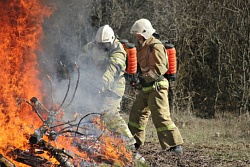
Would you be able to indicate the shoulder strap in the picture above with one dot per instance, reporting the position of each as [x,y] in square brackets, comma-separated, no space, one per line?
[151,46]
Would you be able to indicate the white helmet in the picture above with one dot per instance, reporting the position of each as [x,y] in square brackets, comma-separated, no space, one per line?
[105,34]
[142,27]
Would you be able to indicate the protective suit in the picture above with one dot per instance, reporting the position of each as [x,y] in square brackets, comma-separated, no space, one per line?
[153,98]
[105,61]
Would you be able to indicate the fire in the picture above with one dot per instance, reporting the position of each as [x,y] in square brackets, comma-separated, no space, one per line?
[20,32]
[108,147]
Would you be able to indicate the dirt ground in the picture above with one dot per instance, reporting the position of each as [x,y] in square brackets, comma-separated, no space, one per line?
[192,157]
[221,142]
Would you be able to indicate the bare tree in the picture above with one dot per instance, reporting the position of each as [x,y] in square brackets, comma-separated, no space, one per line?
[212,39]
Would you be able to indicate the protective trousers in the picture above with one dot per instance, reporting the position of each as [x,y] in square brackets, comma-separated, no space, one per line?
[157,102]
[112,118]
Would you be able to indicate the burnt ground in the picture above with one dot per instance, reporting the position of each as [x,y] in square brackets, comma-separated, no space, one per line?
[198,156]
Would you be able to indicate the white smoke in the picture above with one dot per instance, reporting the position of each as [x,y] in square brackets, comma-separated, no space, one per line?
[66,31]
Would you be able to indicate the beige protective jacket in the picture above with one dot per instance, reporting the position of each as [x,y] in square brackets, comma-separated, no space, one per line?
[153,62]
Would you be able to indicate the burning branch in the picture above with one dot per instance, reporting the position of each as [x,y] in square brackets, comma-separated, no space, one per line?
[29,158]
[77,82]
[5,162]
[48,124]
[83,118]
[67,72]
[61,155]
[36,139]
[51,90]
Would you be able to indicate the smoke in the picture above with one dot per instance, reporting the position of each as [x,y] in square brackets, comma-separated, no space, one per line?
[65,33]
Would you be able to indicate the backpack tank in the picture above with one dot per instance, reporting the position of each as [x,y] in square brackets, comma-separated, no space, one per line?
[172,62]
[131,61]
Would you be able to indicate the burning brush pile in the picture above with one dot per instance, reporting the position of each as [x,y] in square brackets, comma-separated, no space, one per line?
[85,142]
[68,144]
[33,133]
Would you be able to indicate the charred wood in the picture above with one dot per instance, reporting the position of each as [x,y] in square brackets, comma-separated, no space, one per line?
[4,162]
[60,155]
[30,159]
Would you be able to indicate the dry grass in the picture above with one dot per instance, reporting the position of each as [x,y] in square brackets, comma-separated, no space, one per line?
[208,142]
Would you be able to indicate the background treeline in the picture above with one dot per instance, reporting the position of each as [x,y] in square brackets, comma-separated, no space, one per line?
[212,39]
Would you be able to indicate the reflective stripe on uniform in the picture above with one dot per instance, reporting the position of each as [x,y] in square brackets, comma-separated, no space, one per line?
[128,133]
[161,83]
[118,61]
[137,125]
[169,127]
[110,77]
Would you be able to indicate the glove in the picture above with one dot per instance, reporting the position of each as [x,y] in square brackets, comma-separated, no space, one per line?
[149,76]
[143,81]
[134,81]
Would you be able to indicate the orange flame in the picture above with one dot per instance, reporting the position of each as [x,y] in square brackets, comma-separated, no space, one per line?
[20,32]
[108,148]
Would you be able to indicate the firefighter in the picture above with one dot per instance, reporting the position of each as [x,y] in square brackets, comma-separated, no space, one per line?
[154,92]
[105,60]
